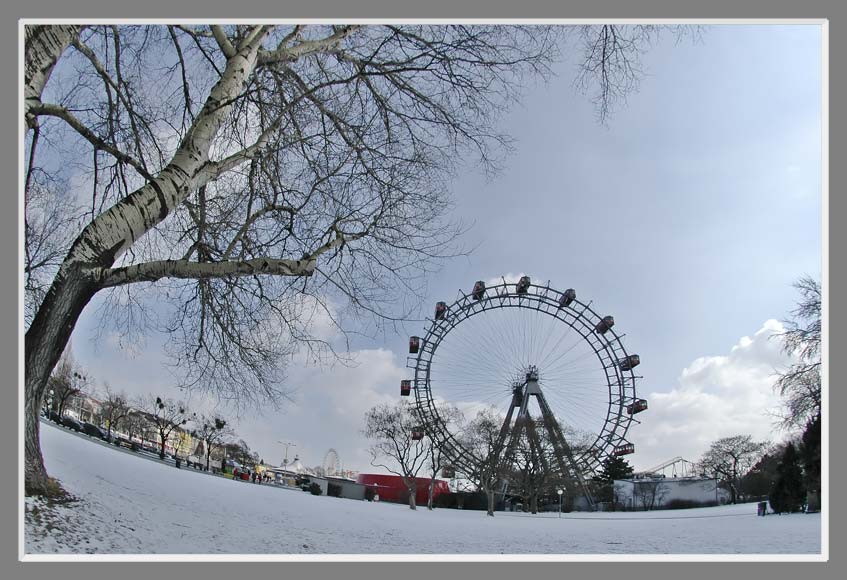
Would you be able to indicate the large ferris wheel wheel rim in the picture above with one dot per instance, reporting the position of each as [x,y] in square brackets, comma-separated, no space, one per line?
[595,330]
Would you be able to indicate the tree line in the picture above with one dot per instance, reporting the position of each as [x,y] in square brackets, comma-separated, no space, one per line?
[165,423]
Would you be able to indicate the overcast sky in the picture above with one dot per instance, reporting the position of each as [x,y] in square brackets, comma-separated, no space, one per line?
[688,217]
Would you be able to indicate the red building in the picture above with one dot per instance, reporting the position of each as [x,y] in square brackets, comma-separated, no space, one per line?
[392,488]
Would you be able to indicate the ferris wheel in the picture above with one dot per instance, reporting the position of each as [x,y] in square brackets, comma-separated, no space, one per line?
[547,365]
[331,463]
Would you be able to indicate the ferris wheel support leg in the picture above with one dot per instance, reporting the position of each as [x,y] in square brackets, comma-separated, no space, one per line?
[499,458]
[504,430]
[563,450]
[537,453]
[520,425]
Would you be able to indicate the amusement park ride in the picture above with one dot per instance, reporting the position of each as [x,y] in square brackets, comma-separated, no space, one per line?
[510,347]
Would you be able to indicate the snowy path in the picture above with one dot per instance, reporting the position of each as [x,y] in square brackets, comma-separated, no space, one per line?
[132,506]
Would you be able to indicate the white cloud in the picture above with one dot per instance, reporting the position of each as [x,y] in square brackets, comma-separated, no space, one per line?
[717,396]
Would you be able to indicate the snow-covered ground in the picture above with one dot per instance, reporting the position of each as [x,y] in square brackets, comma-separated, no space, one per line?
[128,505]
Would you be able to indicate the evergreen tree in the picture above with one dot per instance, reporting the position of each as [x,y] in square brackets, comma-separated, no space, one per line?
[613,468]
[759,481]
[788,493]
[810,454]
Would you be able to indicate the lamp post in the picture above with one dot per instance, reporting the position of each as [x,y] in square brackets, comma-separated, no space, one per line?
[287,444]
[560,492]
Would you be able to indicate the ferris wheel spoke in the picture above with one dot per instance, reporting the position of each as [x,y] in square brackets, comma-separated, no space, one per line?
[566,357]
[573,407]
[569,358]
[552,330]
[574,400]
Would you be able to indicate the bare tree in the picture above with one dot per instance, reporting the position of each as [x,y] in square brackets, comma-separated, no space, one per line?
[212,430]
[532,469]
[133,424]
[166,415]
[530,472]
[483,439]
[50,223]
[179,441]
[534,472]
[612,67]
[278,168]
[114,408]
[240,452]
[800,384]
[67,382]
[393,447]
[452,418]
[730,458]
[650,492]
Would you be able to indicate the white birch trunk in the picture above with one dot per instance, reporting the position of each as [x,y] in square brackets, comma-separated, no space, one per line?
[43,46]
[113,232]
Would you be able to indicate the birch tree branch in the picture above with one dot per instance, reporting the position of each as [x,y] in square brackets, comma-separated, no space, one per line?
[305,48]
[223,41]
[184,269]
[59,112]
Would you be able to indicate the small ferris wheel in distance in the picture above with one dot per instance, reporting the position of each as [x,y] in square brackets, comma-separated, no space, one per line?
[546,363]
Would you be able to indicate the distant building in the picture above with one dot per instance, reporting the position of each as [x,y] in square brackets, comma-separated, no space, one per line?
[84,407]
[651,492]
[392,488]
[346,488]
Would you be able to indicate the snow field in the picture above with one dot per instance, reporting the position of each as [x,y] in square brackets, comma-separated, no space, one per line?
[129,505]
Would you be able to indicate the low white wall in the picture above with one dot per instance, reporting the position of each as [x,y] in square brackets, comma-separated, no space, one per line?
[683,488]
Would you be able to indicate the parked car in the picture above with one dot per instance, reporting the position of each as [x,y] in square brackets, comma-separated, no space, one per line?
[94,431]
[55,417]
[121,441]
[72,423]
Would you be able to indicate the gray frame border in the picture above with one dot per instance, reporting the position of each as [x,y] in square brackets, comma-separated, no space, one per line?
[831,9]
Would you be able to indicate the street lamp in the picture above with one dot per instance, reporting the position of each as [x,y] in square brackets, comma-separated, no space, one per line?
[287,445]
[560,492]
